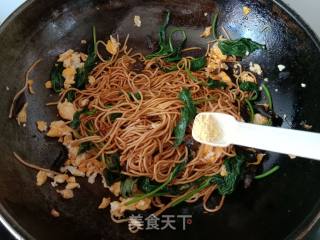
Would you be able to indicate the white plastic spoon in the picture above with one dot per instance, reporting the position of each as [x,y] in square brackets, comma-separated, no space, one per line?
[222,130]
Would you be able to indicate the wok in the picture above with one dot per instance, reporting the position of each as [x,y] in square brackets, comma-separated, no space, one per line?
[284,206]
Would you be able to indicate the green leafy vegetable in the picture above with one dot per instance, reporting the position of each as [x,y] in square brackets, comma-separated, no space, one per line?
[176,52]
[112,172]
[239,48]
[197,64]
[193,78]
[180,129]
[84,147]
[136,95]
[178,189]
[178,168]
[163,29]
[75,123]
[127,186]
[250,87]
[268,95]
[113,162]
[90,113]
[214,21]
[188,113]
[213,84]
[57,80]
[146,186]
[115,116]
[166,46]
[268,173]
[163,47]
[186,98]
[250,110]
[187,196]
[81,78]
[90,128]
[227,184]
[70,96]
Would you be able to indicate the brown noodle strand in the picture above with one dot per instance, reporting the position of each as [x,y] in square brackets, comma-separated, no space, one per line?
[32,166]
[18,94]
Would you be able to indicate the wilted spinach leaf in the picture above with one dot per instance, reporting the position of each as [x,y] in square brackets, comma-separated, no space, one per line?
[70,96]
[188,113]
[57,80]
[112,172]
[178,168]
[127,186]
[146,186]
[250,87]
[268,96]
[136,95]
[214,21]
[75,123]
[113,162]
[81,78]
[239,48]
[175,51]
[167,48]
[198,63]
[115,116]
[227,184]
[163,45]
[85,147]
[213,84]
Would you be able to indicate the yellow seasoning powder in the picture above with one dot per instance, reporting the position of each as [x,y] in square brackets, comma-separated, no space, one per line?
[205,128]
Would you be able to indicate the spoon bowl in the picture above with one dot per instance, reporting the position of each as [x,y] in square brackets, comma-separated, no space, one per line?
[222,130]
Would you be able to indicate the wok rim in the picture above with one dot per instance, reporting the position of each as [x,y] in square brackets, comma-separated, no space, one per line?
[302,230]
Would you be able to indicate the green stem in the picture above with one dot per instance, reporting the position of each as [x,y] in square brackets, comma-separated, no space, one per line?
[150,194]
[268,173]
[214,26]
[251,111]
[193,78]
[178,168]
[163,27]
[268,95]
[190,194]
[171,35]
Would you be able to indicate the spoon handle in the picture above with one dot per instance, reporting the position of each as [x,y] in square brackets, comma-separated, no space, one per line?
[287,141]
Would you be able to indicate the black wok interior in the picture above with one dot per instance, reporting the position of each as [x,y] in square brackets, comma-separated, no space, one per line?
[278,207]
